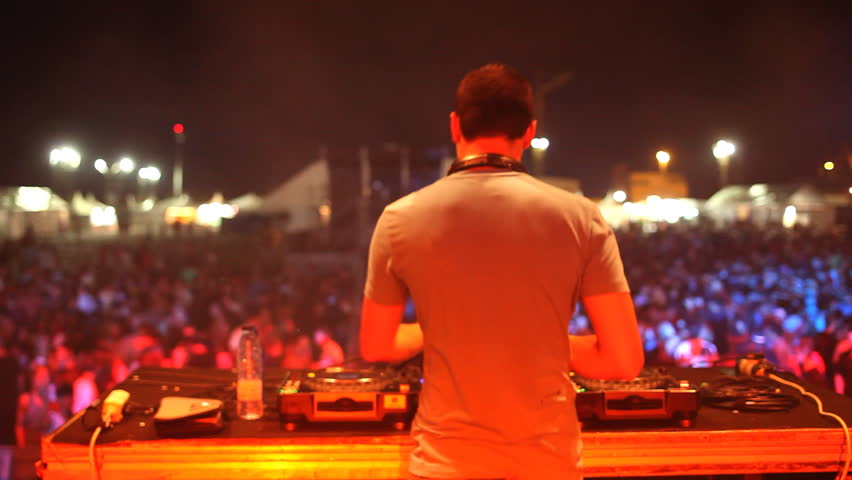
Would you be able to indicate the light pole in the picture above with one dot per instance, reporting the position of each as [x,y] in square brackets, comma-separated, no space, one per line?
[117,187]
[541,90]
[539,147]
[663,159]
[64,162]
[65,157]
[148,178]
[723,150]
[115,176]
[177,174]
[115,179]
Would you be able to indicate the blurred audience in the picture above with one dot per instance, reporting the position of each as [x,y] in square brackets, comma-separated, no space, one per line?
[704,296]
[76,319]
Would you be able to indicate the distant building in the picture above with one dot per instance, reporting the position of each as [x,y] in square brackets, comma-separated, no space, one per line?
[767,205]
[35,209]
[304,199]
[641,185]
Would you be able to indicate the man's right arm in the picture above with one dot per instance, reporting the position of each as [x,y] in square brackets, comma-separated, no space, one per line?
[615,350]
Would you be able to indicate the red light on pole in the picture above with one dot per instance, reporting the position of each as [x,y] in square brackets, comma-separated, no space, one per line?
[178,128]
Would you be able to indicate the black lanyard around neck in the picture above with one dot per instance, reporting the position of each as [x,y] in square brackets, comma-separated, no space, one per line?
[494,160]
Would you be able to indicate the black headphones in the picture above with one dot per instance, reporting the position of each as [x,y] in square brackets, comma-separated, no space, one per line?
[486,160]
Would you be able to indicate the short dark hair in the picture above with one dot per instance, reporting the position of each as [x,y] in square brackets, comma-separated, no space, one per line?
[494,100]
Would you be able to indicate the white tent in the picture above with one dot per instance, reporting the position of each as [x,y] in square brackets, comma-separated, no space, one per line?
[302,198]
[82,205]
[732,203]
[38,208]
[766,205]
[247,202]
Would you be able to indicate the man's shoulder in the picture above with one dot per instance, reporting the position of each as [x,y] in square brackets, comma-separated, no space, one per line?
[403,203]
[417,198]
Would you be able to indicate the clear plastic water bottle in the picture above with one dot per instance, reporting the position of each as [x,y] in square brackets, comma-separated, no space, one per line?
[249,375]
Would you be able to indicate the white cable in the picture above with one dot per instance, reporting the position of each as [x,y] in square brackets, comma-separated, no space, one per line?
[94,471]
[842,474]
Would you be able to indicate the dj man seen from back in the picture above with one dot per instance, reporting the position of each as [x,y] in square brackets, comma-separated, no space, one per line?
[495,262]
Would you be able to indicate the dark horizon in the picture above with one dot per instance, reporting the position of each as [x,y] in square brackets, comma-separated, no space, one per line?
[261,86]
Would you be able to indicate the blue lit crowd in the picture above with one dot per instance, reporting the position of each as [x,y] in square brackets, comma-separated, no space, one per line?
[77,318]
[704,297]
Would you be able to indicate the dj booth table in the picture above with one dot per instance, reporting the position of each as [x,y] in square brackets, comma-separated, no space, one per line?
[720,442]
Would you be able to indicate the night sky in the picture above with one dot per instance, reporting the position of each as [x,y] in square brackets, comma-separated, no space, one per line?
[260,85]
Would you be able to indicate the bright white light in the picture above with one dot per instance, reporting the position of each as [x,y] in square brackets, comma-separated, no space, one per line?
[101,166]
[758,190]
[663,157]
[659,209]
[103,216]
[723,149]
[151,174]
[72,157]
[147,204]
[691,213]
[540,143]
[213,213]
[33,199]
[619,196]
[227,211]
[789,218]
[65,157]
[850,190]
[828,166]
[126,165]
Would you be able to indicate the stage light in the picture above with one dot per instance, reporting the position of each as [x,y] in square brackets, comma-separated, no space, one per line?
[150,174]
[723,149]
[539,143]
[126,165]
[65,157]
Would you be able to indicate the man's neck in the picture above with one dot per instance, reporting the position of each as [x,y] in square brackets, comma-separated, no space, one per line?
[500,145]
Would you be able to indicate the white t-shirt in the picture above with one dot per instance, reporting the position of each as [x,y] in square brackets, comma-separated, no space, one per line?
[495,262]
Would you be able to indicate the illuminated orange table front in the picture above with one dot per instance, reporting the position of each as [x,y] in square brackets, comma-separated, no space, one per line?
[797,441]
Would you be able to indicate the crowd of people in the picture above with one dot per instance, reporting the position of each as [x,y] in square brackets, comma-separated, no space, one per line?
[704,297]
[75,321]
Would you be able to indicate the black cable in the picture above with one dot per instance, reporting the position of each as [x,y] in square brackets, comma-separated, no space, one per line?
[747,394]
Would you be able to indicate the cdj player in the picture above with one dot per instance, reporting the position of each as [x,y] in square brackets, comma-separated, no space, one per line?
[389,395]
[338,394]
[653,395]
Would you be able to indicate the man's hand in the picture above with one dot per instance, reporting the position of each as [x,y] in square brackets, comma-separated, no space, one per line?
[384,337]
[615,351]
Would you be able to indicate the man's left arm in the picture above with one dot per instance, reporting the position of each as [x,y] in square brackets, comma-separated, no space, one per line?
[383,335]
